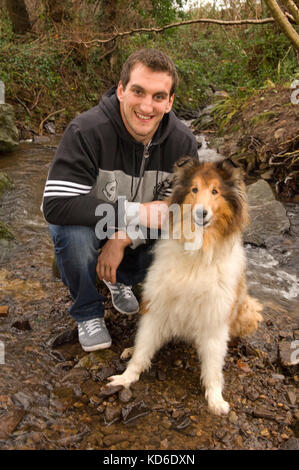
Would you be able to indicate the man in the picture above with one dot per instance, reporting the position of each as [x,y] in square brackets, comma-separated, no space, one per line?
[125,147]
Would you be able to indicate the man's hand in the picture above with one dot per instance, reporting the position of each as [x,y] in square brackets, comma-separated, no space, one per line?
[152,214]
[111,256]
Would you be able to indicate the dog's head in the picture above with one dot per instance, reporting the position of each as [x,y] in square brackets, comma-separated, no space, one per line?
[214,190]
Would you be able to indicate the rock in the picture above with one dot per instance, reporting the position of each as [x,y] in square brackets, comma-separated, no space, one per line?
[6,183]
[22,325]
[9,421]
[67,336]
[109,390]
[24,399]
[9,135]
[134,411]
[291,396]
[96,358]
[77,375]
[291,444]
[112,414]
[104,373]
[268,219]
[233,418]
[125,395]
[4,311]
[288,357]
[112,439]
[5,233]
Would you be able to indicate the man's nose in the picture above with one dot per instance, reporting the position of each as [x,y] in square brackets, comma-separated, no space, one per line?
[146,104]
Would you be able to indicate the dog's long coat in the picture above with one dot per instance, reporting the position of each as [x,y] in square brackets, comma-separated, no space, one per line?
[198,294]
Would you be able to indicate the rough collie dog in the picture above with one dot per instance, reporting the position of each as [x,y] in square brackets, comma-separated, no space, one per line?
[196,290]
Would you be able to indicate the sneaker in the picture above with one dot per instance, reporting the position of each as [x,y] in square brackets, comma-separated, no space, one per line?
[94,335]
[123,298]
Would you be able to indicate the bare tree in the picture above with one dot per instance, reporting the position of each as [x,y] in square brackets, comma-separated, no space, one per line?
[283,22]
[18,16]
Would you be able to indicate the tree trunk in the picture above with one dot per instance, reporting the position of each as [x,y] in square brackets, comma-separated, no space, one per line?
[293,9]
[283,22]
[18,16]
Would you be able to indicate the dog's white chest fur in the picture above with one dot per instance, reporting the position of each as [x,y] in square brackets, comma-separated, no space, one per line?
[192,291]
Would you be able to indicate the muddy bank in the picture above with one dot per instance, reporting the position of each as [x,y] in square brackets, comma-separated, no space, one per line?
[52,394]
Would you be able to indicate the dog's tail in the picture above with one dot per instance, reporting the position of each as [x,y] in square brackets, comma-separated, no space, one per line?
[248,317]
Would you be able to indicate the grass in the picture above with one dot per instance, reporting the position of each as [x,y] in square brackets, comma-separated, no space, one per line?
[47,73]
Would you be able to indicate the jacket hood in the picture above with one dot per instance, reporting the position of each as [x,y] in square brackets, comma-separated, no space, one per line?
[109,103]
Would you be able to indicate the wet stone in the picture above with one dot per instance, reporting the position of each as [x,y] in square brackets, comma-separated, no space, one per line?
[67,336]
[134,410]
[125,395]
[77,375]
[288,358]
[112,414]
[9,421]
[109,390]
[113,439]
[4,311]
[104,373]
[22,325]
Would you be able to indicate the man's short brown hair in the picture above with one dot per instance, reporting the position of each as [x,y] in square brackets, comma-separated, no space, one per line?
[153,59]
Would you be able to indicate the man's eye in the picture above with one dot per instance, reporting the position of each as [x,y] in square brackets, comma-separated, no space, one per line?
[195,190]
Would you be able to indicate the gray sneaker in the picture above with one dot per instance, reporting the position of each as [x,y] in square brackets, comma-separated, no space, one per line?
[94,335]
[123,298]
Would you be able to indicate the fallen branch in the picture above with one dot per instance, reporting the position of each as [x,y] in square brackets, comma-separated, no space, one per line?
[40,127]
[122,34]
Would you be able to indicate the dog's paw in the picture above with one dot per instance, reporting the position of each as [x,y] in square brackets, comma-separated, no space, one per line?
[218,406]
[119,380]
[127,354]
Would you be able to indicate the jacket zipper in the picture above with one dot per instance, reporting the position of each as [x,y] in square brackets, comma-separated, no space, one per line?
[145,156]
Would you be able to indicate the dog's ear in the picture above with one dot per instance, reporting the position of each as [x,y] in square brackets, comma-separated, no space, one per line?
[227,164]
[183,163]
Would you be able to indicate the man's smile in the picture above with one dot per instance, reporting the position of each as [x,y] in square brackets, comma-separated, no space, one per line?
[143,117]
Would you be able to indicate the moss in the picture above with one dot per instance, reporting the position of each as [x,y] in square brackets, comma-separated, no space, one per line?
[5,183]
[263,117]
[5,233]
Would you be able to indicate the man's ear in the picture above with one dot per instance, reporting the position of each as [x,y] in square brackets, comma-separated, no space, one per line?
[120,91]
[170,103]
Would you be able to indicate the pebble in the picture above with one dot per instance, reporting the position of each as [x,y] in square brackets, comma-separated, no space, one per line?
[291,396]
[4,311]
[233,418]
[113,439]
[134,411]
[109,390]
[112,413]
[9,421]
[125,395]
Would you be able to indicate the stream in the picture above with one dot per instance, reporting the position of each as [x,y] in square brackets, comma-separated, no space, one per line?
[50,389]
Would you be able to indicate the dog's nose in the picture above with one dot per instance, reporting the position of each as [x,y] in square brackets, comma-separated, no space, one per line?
[201,213]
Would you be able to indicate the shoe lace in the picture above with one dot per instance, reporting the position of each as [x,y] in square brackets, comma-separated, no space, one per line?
[127,293]
[125,290]
[94,326]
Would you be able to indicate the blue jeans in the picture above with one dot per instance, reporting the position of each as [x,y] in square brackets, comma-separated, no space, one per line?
[76,249]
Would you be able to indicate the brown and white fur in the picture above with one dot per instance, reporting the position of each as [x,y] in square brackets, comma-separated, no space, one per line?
[199,295]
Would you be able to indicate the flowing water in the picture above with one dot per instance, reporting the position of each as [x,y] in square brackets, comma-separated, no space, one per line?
[31,371]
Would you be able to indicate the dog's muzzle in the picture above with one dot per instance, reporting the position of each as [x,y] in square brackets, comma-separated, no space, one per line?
[202,216]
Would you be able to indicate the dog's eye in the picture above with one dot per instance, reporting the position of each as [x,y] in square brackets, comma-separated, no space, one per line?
[214,191]
[195,190]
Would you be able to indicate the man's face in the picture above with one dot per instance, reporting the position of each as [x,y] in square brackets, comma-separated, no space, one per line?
[144,101]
